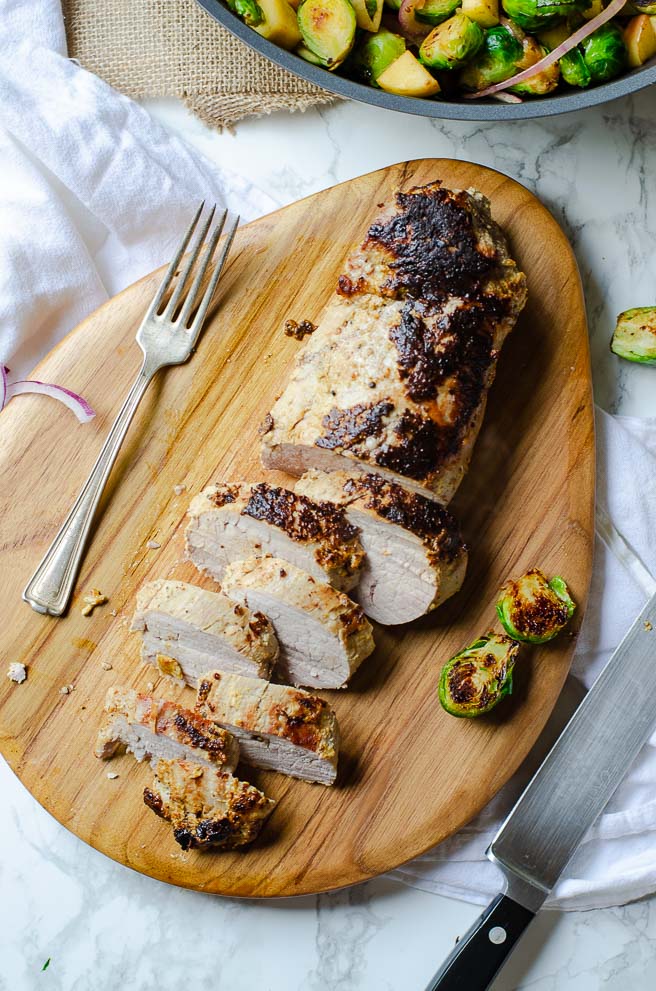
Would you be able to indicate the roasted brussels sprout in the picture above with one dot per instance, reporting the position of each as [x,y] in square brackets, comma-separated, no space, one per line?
[310,57]
[635,335]
[452,44]
[532,15]
[435,11]
[327,28]
[574,70]
[640,39]
[604,53]
[374,53]
[477,678]
[407,77]
[484,12]
[542,82]
[249,11]
[533,609]
[494,62]
[279,24]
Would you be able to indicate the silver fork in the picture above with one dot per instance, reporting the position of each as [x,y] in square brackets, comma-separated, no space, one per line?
[165,339]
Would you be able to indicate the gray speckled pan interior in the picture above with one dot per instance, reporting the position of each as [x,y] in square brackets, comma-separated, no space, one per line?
[562,103]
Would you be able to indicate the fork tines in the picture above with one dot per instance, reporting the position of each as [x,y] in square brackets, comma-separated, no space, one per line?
[199,264]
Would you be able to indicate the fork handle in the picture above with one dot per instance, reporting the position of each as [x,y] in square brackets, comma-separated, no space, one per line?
[49,589]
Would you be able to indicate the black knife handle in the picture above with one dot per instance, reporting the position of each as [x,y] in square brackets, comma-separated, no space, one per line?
[478,957]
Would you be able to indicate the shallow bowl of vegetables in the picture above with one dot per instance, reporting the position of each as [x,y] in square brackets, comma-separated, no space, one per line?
[466,59]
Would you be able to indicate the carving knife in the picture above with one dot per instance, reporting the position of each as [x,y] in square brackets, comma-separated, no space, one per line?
[565,796]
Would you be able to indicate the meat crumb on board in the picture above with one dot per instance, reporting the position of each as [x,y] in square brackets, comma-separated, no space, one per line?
[17,672]
[152,545]
[93,599]
[299,330]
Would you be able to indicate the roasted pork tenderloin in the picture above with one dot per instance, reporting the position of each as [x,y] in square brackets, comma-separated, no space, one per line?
[279,728]
[155,728]
[186,630]
[415,557]
[234,521]
[323,635]
[395,379]
[207,807]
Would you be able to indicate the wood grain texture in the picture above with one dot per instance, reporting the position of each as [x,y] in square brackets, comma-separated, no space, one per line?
[410,775]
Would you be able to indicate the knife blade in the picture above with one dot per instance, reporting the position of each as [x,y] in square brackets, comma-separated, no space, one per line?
[563,799]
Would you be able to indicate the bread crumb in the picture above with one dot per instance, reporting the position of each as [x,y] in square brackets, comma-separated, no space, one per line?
[17,672]
[106,666]
[648,626]
[112,775]
[95,598]
[179,489]
[153,545]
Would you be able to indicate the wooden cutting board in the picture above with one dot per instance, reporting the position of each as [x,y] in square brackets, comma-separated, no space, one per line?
[410,775]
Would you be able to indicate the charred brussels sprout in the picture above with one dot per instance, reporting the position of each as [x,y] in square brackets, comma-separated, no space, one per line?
[249,11]
[435,11]
[635,335]
[542,82]
[604,53]
[327,28]
[453,43]
[375,53]
[477,678]
[533,15]
[533,609]
[494,62]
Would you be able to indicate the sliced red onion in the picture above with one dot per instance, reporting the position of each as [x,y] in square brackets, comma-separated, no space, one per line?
[507,97]
[75,403]
[566,46]
[412,29]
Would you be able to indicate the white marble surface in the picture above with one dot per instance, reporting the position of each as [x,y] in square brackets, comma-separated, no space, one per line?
[106,928]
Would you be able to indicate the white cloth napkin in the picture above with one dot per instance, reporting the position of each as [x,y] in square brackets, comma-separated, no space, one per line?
[94,194]
[617,860]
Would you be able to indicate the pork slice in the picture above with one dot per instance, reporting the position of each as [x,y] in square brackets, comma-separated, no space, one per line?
[186,630]
[279,728]
[415,557]
[323,635]
[231,522]
[207,807]
[153,728]
[395,379]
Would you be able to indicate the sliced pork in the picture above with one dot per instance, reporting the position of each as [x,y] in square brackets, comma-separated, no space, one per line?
[207,807]
[395,379]
[323,635]
[153,728]
[186,630]
[278,728]
[415,557]
[231,522]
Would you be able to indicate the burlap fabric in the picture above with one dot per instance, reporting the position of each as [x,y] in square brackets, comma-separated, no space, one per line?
[148,48]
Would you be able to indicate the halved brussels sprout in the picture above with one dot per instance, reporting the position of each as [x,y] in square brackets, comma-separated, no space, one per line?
[310,57]
[375,52]
[477,678]
[279,24]
[435,11]
[532,15]
[408,77]
[635,335]
[327,28]
[533,609]
[494,62]
[640,40]
[452,44]
[574,70]
[249,11]
[604,53]
[542,82]
[484,12]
